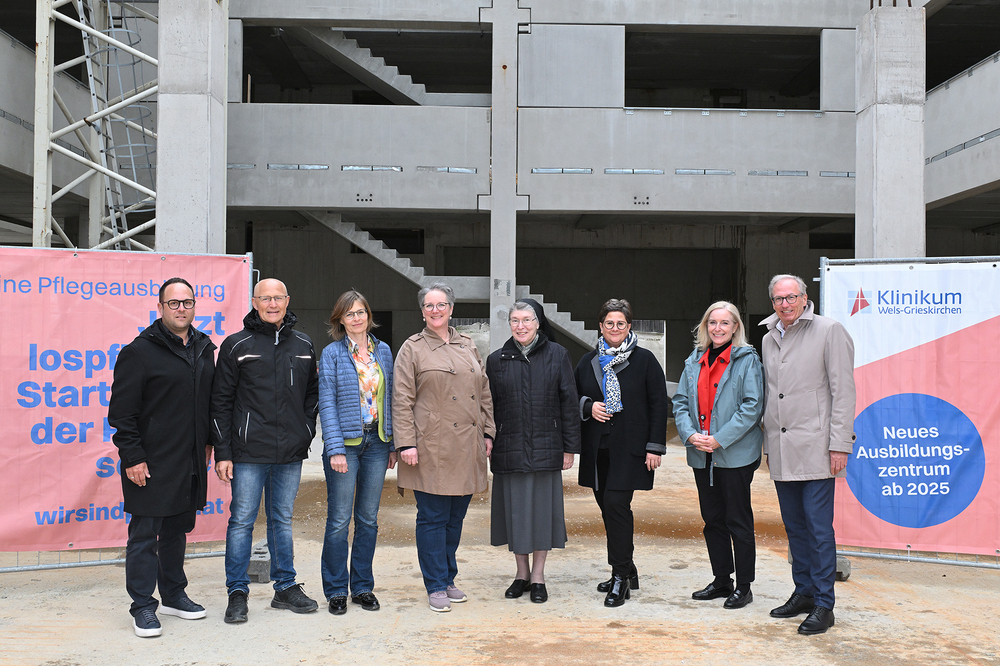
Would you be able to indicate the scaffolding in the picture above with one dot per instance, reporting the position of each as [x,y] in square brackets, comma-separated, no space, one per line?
[117,137]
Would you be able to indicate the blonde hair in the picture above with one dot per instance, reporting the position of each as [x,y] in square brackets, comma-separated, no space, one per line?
[701,339]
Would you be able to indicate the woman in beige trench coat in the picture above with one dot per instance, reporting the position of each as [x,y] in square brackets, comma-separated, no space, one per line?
[443,428]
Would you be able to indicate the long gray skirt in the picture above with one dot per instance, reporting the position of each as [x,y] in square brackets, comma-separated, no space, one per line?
[527,512]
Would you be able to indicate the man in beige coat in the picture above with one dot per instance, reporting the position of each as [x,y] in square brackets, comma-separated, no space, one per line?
[809,434]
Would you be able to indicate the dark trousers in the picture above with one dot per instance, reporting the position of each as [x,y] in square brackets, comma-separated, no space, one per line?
[616,510]
[439,531]
[807,511]
[155,555]
[724,498]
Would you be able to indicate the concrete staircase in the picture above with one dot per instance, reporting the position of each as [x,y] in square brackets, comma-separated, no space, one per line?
[375,73]
[468,289]
[362,65]
[560,320]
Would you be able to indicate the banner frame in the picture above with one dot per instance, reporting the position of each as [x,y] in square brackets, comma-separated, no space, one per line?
[824,264]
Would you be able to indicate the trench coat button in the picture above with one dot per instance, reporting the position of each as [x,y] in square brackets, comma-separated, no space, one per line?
[716,386]
[462,346]
[780,396]
[456,425]
[782,430]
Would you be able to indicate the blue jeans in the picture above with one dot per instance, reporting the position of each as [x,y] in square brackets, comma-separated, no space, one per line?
[807,511]
[439,530]
[357,491]
[279,484]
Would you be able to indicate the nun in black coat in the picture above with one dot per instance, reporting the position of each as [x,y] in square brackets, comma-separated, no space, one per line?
[624,408]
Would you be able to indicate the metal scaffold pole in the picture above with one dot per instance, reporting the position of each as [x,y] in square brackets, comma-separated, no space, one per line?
[118,148]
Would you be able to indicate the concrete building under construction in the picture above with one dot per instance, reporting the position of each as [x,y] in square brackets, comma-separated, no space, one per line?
[668,152]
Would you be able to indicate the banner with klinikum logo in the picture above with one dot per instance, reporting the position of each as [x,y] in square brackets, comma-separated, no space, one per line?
[925,471]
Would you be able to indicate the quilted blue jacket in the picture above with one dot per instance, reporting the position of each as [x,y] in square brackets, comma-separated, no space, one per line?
[339,397]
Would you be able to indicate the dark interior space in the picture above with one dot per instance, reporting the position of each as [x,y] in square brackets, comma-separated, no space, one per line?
[281,68]
[959,35]
[675,285]
[721,70]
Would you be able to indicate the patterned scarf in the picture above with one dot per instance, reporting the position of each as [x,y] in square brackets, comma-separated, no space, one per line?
[609,357]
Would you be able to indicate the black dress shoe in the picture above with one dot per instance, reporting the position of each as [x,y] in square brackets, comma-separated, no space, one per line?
[538,593]
[738,599]
[618,593]
[633,581]
[796,605]
[819,620]
[338,605]
[367,601]
[516,588]
[713,591]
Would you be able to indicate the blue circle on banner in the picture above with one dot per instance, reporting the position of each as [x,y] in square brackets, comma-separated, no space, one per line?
[918,460]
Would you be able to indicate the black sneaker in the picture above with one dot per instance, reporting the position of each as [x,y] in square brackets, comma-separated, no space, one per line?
[236,611]
[367,601]
[293,599]
[183,608]
[146,625]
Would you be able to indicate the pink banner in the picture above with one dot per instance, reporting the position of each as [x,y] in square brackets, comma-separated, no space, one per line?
[925,471]
[68,314]
[957,512]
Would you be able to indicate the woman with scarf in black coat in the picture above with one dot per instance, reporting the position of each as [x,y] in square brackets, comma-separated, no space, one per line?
[624,407]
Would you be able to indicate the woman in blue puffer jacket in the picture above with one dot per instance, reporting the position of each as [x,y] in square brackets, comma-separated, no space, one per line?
[355,390]
[717,409]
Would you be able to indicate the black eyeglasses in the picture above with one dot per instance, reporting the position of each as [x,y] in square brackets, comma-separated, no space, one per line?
[788,299]
[620,325]
[173,304]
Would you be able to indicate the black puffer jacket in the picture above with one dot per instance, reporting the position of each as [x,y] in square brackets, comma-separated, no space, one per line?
[535,407]
[159,405]
[265,395]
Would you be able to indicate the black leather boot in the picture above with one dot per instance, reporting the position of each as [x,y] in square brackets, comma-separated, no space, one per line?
[619,591]
[633,581]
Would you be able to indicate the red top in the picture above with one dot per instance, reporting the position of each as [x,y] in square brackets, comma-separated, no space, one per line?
[708,382]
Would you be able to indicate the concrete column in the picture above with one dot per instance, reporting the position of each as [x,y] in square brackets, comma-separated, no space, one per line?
[503,201]
[889,188]
[836,70]
[191,126]
[235,79]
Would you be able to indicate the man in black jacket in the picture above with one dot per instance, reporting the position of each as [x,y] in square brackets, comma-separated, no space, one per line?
[264,404]
[160,408]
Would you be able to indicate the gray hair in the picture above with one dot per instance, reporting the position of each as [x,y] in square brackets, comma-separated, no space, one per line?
[521,306]
[437,286]
[778,278]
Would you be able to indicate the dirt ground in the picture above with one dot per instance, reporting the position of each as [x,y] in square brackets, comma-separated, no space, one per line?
[887,612]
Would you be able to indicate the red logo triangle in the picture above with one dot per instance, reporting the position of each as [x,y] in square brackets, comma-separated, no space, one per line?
[860,303]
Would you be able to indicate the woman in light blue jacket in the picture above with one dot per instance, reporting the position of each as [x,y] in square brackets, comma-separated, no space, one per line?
[355,389]
[717,409]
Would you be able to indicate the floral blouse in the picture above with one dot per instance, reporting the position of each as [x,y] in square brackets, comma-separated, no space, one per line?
[369,377]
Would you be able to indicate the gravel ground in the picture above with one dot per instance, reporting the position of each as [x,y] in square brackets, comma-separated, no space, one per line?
[887,612]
